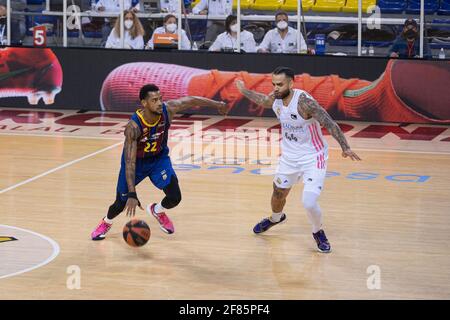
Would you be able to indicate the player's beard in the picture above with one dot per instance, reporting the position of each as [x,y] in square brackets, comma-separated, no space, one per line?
[282,95]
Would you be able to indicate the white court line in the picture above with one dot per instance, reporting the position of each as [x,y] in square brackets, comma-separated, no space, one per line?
[120,137]
[60,167]
[55,252]
[206,142]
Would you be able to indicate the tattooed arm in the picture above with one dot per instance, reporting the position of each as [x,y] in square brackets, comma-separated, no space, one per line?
[175,106]
[132,133]
[260,99]
[310,108]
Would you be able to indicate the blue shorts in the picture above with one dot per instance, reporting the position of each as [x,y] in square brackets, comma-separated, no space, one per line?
[159,169]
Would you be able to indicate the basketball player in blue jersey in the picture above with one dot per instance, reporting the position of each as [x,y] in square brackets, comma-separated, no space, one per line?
[146,154]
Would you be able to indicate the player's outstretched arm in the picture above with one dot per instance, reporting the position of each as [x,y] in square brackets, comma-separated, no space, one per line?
[311,108]
[132,133]
[260,99]
[178,105]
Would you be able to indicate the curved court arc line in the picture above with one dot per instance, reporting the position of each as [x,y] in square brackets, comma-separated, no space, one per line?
[54,254]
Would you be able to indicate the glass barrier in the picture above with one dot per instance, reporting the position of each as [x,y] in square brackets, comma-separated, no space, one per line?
[343,27]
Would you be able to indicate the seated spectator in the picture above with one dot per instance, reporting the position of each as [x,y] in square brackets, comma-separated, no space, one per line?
[407,45]
[133,33]
[17,21]
[112,6]
[227,41]
[170,26]
[282,39]
[169,6]
[214,8]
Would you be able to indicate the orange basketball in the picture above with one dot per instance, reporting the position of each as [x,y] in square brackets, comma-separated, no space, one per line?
[136,233]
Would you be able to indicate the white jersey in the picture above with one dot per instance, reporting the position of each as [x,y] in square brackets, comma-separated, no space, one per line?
[302,140]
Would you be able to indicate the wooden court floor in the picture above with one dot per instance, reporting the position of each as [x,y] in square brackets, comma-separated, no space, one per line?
[383,231]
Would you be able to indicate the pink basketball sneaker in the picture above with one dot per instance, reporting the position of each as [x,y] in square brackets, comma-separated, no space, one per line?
[164,222]
[101,230]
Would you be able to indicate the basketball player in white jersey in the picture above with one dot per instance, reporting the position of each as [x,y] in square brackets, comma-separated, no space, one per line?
[304,151]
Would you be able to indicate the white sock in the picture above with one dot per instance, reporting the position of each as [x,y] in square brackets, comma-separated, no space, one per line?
[109,221]
[313,210]
[276,217]
[159,208]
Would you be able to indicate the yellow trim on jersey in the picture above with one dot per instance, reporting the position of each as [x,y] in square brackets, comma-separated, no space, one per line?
[145,122]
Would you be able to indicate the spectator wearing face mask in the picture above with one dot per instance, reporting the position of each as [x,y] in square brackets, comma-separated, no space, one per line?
[227,41]
[169,6]
[170,26]
[407,45]
[112,6]
[133,33]
[282,39]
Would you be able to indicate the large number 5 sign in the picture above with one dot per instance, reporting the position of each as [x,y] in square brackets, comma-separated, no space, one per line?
[40,36]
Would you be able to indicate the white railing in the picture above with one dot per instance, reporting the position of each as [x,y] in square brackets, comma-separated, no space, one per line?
[359,20]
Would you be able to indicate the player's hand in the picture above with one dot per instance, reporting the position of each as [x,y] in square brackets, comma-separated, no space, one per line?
[222,108]
[131,206]
[351,154]
[240,85]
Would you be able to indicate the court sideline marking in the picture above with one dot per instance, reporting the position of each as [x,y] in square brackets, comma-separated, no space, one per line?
[65,165]
[197,142]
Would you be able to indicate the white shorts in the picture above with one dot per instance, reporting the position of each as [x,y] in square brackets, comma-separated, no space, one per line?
[313,172]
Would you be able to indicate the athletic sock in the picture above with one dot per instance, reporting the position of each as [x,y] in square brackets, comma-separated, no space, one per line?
[108,221]
[276,217]
[159,208]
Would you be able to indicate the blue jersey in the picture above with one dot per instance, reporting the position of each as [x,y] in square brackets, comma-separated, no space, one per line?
[153,139]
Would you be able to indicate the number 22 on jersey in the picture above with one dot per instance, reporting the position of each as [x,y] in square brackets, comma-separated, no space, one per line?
[151,147]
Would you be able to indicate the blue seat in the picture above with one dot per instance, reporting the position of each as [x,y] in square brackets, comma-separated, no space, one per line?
[198,29]
[434,45]
[444,8]
[445,27]
[391,6]
[378,44]
[446,23]
[35,2]
[32,21]
[72,34]
[93,34]
[430,6]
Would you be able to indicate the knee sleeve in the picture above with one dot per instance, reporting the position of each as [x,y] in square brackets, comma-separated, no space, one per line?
[312,210]
[173,194]
[310,201]
[116,208]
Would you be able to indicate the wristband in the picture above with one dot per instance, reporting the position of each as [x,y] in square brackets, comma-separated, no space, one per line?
[132,195]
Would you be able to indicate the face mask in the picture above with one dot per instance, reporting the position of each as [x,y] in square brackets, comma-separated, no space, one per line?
[282,25]
[410,34]
[234,28]
[128,24]
[171,27]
